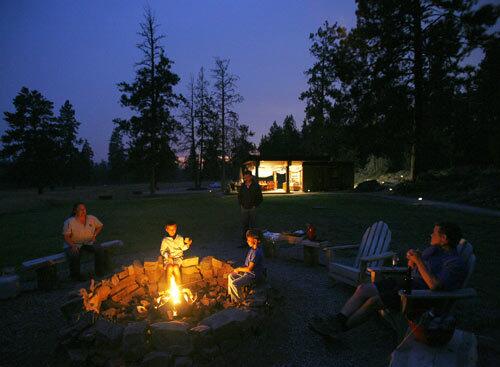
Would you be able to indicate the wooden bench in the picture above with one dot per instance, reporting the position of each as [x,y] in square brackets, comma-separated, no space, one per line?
[46,267]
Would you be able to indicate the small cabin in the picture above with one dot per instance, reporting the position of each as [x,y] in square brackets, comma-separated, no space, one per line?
[296,173]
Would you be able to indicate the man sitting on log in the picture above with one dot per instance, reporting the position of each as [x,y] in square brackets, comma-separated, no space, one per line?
[80,232]
[438,267]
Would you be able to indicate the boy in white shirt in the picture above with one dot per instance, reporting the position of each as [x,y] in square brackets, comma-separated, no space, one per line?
[172,249]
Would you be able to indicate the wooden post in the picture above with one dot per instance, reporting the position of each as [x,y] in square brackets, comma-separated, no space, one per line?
[288,177]
[47,277]
[257,163]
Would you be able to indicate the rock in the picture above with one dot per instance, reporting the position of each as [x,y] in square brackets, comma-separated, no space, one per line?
[189,270]
[72,306]
[77,356]
[134,341]
[88,335]
[74,329]
[170,333]
[190,261]
[206,263]
[202,337]
[108,333]
[183,362]
[229,323]
[10,286]
[209,352]
[217,264]
[156,359]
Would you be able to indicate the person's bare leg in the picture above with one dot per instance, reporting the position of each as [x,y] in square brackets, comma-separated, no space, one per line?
[177,274]
[361,295]
[169,272]
[364,312]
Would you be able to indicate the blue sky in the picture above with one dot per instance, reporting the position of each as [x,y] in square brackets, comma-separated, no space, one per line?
[80,50]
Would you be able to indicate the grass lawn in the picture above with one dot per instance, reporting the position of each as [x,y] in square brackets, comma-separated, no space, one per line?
[31,226]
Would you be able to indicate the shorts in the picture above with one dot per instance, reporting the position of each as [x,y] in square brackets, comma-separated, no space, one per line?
[173,261]
[388,289]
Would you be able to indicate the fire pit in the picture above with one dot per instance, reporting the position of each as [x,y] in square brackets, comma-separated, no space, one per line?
[138,315]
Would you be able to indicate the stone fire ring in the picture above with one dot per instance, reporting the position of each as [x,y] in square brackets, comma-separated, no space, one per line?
[100,335]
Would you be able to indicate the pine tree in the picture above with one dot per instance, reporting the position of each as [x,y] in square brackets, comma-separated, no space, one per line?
[30,141]
[206,118]
[152,132]
[226,98]
[69,142]
[117,156]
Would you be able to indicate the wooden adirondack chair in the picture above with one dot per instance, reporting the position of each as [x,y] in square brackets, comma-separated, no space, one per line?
[373,250]
[462,349]
[398,321]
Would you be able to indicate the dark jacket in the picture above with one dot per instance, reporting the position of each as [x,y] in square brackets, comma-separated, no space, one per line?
[250,197]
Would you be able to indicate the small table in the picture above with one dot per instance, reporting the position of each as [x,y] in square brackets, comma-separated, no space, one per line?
[311,251]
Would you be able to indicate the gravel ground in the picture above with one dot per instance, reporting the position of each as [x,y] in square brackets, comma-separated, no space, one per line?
[30,322]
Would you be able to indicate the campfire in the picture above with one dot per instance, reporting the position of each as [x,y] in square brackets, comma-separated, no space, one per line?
[138,315]
[142,291]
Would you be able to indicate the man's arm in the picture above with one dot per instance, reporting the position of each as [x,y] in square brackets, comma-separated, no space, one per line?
[430,279]
[97,231]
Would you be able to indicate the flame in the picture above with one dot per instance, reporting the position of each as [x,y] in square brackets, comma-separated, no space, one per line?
[173,291]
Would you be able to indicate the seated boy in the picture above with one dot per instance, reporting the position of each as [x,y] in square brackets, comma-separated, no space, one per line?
[253,269]
[438,267]
[172,249]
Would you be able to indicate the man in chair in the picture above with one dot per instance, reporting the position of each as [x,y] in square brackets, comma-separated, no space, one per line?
[438,267]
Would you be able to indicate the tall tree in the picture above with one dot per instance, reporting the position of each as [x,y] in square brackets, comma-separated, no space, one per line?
[69,141]
[117,156]
[402,45]
[30,141]
[206,118]
[152,131]
[226,97]
[189,117]
[86,162]
[281,140]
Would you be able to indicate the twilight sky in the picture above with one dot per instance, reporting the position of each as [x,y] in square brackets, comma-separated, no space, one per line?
[80,50]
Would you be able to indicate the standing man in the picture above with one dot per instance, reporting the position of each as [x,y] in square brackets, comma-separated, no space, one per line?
[249,199]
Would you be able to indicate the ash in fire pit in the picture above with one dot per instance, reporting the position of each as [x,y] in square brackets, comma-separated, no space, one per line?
[138,314]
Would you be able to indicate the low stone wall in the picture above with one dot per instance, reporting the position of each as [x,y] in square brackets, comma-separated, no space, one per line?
[214,326]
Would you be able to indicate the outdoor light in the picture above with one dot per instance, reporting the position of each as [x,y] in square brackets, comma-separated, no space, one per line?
[420,199]
[308,190]
[390,189]
[383,182]
[401,176]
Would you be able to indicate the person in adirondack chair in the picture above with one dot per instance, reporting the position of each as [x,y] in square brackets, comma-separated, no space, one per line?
[438,267]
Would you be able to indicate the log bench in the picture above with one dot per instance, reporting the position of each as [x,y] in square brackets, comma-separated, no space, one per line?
[46,267]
